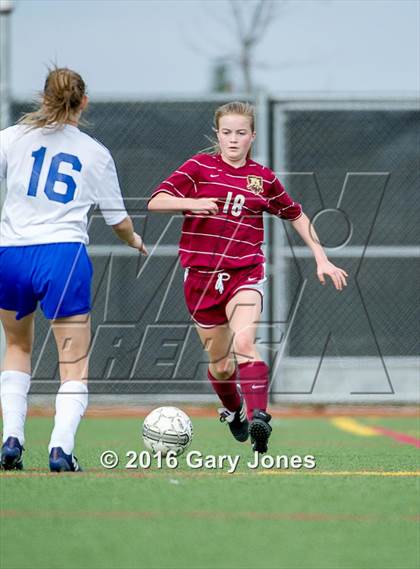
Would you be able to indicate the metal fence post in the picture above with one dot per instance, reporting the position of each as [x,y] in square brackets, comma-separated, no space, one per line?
[6,8]
[279,259]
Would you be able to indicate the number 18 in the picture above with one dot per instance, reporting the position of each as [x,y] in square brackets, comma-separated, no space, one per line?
[236,208]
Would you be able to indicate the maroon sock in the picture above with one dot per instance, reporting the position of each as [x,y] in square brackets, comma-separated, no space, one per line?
[254,385]
[227,390]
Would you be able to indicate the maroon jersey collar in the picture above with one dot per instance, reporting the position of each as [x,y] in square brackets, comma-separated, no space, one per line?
[229,166]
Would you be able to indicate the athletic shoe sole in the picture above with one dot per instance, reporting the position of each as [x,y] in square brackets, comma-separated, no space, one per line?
[260,432]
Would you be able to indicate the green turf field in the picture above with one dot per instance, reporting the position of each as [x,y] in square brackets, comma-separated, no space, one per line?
[349,512]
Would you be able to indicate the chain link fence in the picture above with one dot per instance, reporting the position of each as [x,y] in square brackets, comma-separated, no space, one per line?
[354,167]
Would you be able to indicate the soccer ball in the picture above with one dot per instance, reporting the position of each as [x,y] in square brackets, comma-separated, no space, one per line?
[167,429]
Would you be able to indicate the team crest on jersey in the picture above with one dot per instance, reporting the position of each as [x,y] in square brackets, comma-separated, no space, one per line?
[255,184]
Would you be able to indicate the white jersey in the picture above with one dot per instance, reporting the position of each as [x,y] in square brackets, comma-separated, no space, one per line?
[53,178]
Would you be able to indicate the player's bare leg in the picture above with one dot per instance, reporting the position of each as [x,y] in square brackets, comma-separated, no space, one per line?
[19,341]
[72,336]
[217,342]
[14,385]
[243,312]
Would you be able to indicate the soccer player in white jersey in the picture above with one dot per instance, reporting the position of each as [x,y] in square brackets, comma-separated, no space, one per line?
[54,174]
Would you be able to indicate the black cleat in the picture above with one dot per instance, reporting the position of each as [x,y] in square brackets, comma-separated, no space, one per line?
[11,454]
[260,430]
[62,462]
[237,421]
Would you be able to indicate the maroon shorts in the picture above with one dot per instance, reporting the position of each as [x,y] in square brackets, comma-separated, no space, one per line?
[208,292]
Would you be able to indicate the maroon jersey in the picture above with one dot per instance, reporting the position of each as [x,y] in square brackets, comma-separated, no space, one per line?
[232,238]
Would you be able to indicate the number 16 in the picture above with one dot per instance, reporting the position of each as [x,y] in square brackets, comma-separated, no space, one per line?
[53,175]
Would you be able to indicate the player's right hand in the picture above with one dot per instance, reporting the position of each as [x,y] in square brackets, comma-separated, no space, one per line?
[208,206]
[137,243]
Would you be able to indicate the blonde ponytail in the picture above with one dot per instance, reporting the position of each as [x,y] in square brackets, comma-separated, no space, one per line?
[63,93]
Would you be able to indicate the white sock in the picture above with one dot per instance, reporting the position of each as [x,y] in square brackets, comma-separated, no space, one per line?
[14,387]
[70,405]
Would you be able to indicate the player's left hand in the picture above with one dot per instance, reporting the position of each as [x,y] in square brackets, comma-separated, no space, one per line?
[337,275]
[137,243]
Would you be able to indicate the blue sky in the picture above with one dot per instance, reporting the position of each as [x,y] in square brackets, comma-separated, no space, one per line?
[167,47]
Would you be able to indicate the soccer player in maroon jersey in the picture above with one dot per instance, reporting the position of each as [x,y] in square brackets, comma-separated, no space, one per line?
[223,196]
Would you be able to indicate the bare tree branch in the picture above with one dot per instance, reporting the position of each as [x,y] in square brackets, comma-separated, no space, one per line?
[237,18]
[218,16]
[247,21]
[256,22]
[267,15]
